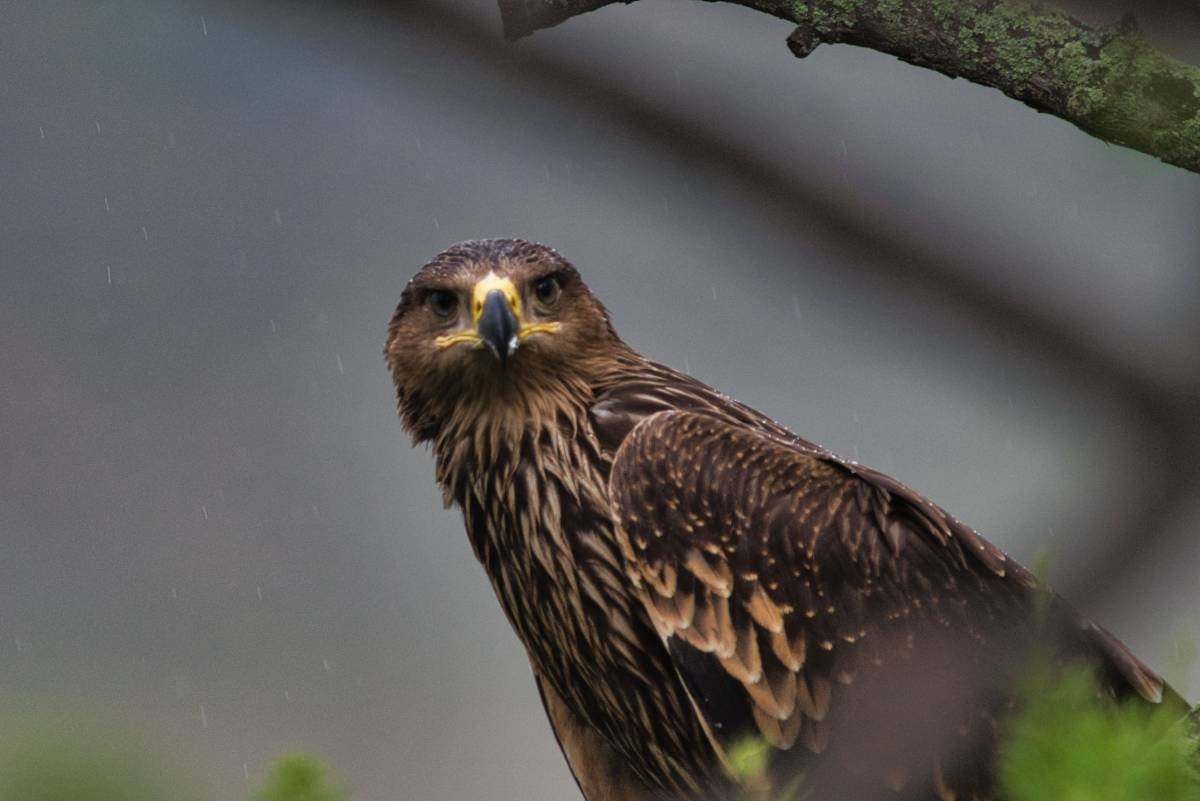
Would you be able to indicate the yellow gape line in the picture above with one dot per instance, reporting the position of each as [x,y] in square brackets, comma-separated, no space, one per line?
[537,328]
[461,336]
[487,285]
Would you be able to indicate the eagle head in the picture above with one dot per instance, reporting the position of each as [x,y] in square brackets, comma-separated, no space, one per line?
[489,323]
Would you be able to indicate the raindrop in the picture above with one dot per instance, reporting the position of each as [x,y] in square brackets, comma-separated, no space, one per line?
[278,219]
[246,771]
[204,511]
[273,327]
[258,589]
[287,696]
[714,291]
[145,234]
[97,126]
[203,717]
[204,25]
[325,662]
[174,594]
[106,206]
[338,356]
[108,270]
[42,131]
[436,224]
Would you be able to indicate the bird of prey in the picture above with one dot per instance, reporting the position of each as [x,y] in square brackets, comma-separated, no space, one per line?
[687,575]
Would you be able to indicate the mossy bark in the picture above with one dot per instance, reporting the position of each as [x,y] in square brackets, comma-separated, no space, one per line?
[1108,80]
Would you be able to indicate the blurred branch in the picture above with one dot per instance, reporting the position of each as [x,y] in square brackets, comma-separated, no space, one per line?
[1108,81]
[1192,727]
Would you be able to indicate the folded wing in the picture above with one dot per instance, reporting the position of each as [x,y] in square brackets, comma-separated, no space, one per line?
[831,611]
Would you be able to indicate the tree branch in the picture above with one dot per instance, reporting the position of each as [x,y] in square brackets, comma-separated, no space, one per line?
[1108,81]
[1191,725]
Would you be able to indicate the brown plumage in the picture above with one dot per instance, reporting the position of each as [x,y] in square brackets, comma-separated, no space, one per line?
[685,573]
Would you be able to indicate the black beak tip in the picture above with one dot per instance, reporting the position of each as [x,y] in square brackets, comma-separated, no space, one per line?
[502,352]
[497,326]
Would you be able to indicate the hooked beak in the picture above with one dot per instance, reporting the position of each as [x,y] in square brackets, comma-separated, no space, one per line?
[496,320]
[498,326]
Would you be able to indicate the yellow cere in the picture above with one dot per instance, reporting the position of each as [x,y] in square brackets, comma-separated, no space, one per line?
[495,283]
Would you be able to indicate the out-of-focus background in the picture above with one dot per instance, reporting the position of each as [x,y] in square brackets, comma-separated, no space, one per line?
[212,530]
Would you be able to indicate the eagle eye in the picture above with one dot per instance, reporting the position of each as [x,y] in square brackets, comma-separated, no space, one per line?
[442,301]
[546,290]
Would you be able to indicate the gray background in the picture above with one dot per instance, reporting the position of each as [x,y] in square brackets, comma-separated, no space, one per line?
[213,530]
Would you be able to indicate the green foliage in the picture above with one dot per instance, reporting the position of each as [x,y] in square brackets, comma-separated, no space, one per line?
[64,766]
[748,760]
[1070,744]
[299,777]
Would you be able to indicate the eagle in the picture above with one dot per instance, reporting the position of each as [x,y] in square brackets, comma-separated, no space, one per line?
[690,579]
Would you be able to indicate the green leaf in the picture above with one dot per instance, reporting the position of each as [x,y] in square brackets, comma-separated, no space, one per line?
[299,777]
[1070,743]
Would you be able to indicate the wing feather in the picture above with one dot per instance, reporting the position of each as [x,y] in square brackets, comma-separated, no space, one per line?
[795,591]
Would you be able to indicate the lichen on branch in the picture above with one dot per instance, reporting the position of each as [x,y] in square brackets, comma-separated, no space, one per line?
[1109,81]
